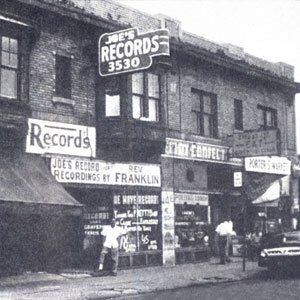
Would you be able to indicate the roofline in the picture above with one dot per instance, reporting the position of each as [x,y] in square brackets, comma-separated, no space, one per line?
[219,58]
[241,66]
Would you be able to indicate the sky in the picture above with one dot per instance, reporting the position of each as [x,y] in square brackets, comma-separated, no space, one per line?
[269,29]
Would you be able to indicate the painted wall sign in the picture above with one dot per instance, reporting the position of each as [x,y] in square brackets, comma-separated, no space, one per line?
[76,170]
[272,165]
[196,151]
[60,138]
[128,50]
[256,143]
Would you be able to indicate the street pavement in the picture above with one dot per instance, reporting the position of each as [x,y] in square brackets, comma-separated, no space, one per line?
[80,285]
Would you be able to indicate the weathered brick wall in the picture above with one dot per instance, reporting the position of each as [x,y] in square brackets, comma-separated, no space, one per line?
[227,86]
[176,170]
[63,37]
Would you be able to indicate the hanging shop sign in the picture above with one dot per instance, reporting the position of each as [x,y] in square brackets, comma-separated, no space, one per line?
[128,50]
[76,170]
[256,143]
[271,165]
[45,137]
[196,151]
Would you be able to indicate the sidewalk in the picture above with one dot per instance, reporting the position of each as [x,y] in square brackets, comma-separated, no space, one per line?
[78,286]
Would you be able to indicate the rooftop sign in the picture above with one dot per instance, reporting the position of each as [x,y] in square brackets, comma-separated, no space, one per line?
[271,165]
[128,50]
[256,143]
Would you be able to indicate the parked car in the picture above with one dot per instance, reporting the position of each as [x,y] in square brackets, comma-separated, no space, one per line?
[280,250]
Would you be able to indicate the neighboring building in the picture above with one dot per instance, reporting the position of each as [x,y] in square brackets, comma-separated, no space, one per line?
[152,148]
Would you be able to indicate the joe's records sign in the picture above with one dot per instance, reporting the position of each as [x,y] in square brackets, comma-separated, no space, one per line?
[128,50]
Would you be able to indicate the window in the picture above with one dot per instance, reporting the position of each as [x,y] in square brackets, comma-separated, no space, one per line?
[238,114]
[267,117]
[112,97]
[205,113]
[9,67]
[145,96]
[63,76]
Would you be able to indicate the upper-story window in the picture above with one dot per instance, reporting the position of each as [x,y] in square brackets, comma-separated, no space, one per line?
[267,117]
[238,114]
[145,96]
[205,113]
[112,97]
[9,67]
[63,76]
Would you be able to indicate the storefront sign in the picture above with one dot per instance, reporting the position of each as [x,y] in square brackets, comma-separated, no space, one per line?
[271,165]
[52,137]
[191,199]
[196,151]
[128,50]
[71,170]
[256,143]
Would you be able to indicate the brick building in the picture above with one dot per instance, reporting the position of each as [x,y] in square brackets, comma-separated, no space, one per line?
[152,148]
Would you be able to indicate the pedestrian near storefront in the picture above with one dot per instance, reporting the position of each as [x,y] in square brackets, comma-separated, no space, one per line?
[225,232]
[111,235]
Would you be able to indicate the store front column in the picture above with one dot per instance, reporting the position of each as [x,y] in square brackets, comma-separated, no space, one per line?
[168,232]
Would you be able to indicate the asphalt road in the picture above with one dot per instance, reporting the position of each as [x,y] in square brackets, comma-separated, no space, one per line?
[270,286]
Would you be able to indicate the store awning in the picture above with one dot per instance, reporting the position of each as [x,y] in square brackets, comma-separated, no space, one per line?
[270,195]
[26,183]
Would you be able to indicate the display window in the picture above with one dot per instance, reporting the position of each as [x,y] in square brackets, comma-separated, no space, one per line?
[191,222]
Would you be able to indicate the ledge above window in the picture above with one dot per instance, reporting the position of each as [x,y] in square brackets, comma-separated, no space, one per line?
[61,100]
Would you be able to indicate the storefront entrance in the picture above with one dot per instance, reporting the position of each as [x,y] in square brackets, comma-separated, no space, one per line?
[136,210]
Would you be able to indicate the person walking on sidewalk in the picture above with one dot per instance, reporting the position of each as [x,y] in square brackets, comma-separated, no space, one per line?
[111,234]
[224,231]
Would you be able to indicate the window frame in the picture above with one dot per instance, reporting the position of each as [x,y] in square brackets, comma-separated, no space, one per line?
[265,110]
[145,98]
[11,35]
[201,114]
[61,90]
[238,115]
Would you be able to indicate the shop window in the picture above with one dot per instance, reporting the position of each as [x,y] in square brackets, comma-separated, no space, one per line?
[63,76]
[267,117]
[112,97]
[139,214]
[204,109]
[238,114]
[191,225]
[9,67]
[145,96]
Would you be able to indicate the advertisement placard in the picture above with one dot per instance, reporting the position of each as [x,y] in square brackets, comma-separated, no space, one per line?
[256,143]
